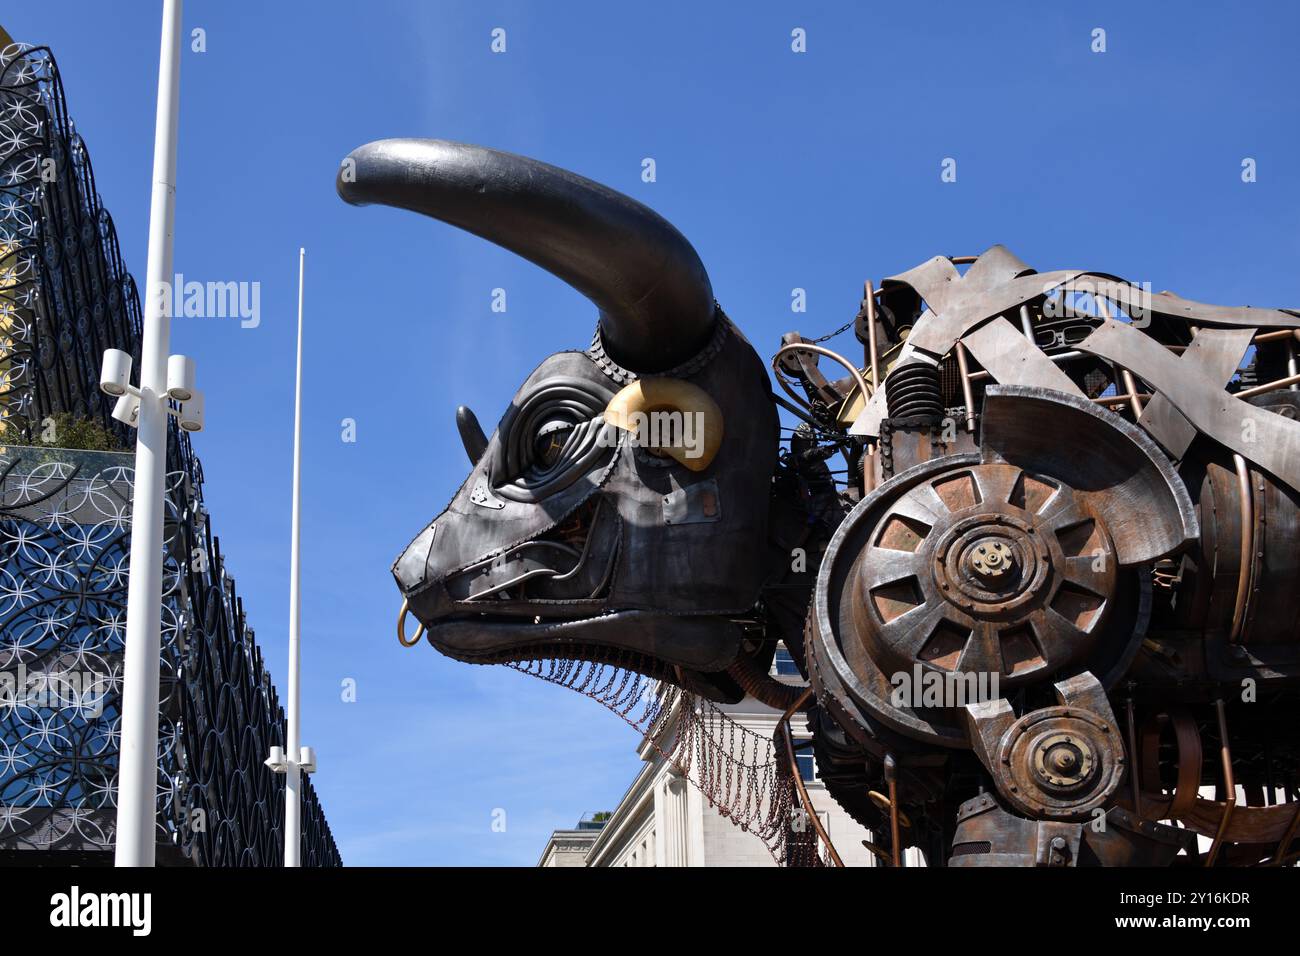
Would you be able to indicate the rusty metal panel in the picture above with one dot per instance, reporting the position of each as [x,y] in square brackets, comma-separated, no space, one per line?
[967,311]
[1216,352]
[1013,360]
[1258,435]
[1122,474]
[996,266]
[933,281]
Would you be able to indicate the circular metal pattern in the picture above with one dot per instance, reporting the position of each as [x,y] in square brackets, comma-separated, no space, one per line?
[1059,762]
[991,564]
[985,569]
[992,561]
[1063,762]
[556,436]
[905,591]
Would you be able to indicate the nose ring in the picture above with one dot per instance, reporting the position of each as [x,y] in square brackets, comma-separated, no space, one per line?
[401,627]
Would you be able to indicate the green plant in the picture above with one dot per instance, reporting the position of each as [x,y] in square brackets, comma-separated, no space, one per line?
[62,430]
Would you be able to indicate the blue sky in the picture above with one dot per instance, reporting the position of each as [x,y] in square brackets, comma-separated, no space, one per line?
[814,170]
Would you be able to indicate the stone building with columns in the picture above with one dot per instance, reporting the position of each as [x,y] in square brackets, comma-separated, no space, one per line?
[662,820]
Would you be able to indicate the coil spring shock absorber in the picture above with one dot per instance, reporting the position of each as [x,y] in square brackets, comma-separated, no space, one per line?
[913,394]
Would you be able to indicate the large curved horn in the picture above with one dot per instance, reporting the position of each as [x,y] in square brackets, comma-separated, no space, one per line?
[655,300]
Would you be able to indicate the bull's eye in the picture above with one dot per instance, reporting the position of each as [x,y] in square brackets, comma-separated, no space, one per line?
[556,435]
[550,441]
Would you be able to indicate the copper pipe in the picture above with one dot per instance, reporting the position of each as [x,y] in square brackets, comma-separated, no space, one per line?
[1247,555]
[1257,529]
[1123,398]
[401,627]
[1026,324]
[1118,379]
[1276,334]
[869,471]
[963,366]
[1229,785]
[1268,386]
[819,350]
[891,777]
[1131,385]
[873,354]
[761,686]
[1134,766]
[783,727]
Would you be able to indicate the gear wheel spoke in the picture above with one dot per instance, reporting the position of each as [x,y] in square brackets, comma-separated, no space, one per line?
[1092,572]
[996,483]
[1058,637]
[922,504]
[887,566]
[908,633]
[983,654]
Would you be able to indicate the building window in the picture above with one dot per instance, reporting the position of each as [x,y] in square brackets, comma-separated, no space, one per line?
[784,664]
[807,767]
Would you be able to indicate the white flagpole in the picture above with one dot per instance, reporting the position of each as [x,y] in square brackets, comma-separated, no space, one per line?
[137,776]
[293,745]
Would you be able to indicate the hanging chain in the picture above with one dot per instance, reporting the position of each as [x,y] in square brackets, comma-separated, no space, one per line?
[737,770]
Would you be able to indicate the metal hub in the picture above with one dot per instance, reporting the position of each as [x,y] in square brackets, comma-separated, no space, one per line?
[1059,762]
[1062,761]
[990,564]
[993,561]
[987,569]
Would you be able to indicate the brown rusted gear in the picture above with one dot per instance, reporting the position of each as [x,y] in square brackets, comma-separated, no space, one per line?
[1060,762]
[904,588]
[985,568]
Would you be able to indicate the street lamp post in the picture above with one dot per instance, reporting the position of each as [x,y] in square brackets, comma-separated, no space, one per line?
[293,760]
[147,408]
[293,773]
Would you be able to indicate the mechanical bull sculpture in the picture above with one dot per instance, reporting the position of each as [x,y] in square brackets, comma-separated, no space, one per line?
[1050,606]
[566,539]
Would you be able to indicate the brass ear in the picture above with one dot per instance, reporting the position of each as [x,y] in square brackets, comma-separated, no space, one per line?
[670,416]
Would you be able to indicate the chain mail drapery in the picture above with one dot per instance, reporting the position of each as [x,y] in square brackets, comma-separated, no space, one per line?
[743,775]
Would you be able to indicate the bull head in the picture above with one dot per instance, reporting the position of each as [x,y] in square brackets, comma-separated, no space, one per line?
[579,533]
